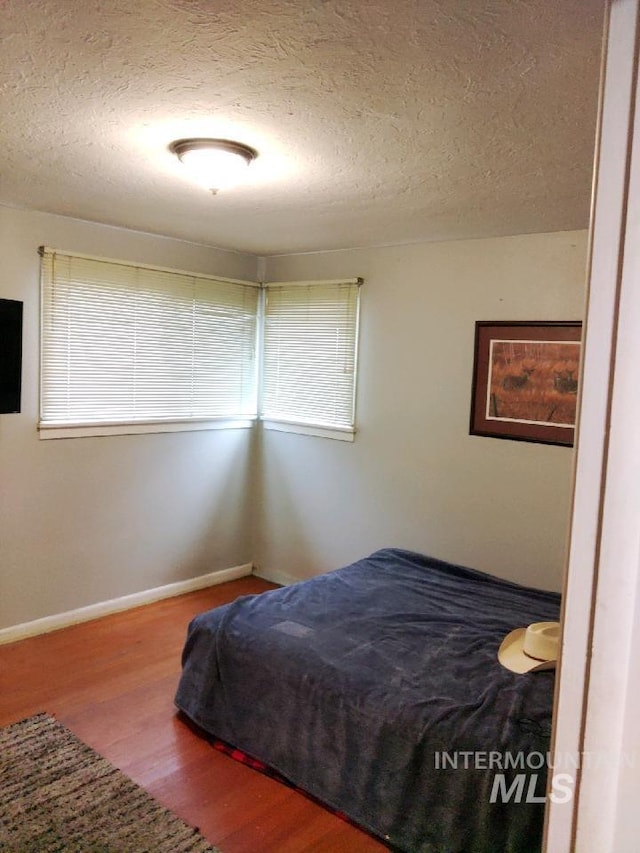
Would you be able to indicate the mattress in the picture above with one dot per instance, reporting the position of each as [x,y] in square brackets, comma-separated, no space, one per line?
[377,689]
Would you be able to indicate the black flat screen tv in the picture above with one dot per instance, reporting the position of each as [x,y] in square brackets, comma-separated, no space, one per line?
[10,355]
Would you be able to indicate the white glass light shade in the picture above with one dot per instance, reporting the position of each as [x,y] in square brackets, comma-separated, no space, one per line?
[214,163]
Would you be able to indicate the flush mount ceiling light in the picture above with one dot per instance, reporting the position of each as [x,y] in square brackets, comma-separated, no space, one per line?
[214,163]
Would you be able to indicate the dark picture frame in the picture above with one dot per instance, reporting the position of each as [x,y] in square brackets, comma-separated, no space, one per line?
[525,380]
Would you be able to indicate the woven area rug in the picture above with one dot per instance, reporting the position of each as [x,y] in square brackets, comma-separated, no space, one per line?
[59,796]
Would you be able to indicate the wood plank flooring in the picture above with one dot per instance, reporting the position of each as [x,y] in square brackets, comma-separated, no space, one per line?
[112,682]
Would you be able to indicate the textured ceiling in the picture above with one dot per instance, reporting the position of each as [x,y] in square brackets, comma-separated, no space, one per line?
[377,121]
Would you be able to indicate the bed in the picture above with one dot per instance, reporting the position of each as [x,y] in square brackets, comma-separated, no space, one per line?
[376,689]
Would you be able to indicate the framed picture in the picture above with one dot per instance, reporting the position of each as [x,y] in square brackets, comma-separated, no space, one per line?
[525,381]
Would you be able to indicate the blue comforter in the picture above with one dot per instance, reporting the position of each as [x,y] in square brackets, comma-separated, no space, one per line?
[377,689]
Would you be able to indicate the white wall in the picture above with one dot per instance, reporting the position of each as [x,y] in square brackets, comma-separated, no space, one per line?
[89,519]
[414,477]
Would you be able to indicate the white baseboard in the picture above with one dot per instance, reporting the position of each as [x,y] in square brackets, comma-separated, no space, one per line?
[115,605]
[276,577]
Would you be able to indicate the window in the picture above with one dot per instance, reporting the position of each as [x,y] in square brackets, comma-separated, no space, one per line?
[131,348]
[310,357]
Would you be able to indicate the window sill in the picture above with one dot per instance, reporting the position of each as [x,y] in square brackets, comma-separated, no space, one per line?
[50,430]
[338,433]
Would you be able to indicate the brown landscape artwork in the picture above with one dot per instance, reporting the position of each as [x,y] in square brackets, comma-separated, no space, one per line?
[533,381]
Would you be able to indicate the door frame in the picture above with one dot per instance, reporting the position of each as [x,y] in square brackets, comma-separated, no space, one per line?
[598,690]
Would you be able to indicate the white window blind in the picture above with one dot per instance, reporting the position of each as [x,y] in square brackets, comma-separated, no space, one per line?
[123,343]
[310,353]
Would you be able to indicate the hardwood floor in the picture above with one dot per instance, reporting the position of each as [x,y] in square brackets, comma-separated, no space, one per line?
[112,682]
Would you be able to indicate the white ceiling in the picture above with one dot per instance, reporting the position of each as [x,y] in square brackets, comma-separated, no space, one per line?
[376,121]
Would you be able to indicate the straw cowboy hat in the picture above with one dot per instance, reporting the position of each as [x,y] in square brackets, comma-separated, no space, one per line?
[531,649]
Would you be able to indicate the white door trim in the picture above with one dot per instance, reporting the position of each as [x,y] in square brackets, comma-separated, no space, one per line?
[595,699]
